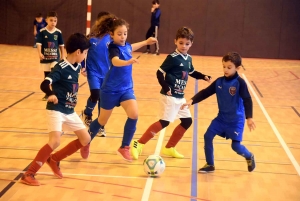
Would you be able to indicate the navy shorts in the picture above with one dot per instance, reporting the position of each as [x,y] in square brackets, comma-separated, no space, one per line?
[232,130]
[111,100]
[94,82]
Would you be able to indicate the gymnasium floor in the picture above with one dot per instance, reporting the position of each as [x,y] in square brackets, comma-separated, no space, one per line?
[274,85]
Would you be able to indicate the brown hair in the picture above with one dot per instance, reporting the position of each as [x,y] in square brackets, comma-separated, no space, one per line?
[185,32]
[102,26]
[117,23]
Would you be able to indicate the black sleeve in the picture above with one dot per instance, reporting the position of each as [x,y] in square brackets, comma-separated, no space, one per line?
[113,51]
[197,75]
[45,87]
[247,100]
[161,80]
[204,93]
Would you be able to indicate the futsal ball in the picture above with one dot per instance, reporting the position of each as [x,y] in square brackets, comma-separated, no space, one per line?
[154,165]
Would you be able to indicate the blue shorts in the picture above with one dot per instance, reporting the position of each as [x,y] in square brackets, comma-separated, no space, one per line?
[94,82]
[232,130]
[111,100]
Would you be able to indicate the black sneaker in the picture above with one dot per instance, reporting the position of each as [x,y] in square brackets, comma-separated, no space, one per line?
[87,120]
[207,169]
[250,163]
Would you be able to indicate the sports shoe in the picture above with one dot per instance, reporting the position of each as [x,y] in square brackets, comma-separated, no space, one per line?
[101,133]
[29,179]
[136,149]
[54,165]
[124,153]
[87,120]
[207,169]
[251,163]
[85,151]
[147,51]
[172,152]
[155,53]
[45,98]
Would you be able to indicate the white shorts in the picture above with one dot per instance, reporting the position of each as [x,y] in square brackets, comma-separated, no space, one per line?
[170,108]
[47,66]
[58,121]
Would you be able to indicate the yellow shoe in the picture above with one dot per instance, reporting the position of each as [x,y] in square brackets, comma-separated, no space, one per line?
[172,152]
[136,149]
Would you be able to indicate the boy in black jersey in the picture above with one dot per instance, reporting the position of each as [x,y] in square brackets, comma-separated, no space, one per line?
[173,76]
[60,109]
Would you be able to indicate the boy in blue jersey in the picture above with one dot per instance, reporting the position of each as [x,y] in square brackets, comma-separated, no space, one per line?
[97,64]
[50,44]
[173,77]
[117,88]
[235,104]
[155,22]
[38,23]
[60,109]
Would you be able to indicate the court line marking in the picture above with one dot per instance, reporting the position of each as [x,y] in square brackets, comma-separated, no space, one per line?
[282,142]
[73,174]
[149,182]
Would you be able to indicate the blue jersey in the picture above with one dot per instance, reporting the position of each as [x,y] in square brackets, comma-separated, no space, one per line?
[119,79]
[40,25]
[97,61]
[234,100]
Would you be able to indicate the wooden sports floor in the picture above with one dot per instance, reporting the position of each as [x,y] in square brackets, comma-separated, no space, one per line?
[275,89]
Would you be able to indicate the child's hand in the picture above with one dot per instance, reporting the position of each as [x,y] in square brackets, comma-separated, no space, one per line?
[207,78]
[187,104]
[34,32]
[133,60]
[169,93]
[151,41]
[41,56]
[251,124]
[53,99]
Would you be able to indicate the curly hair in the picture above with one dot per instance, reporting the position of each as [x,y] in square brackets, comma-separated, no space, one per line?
[185,32]
[102,26]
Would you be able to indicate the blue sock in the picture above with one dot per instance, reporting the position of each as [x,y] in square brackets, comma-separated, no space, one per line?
[129,129]
[98,107]
[89,107]
[209,147]
[94,128]
[240,149]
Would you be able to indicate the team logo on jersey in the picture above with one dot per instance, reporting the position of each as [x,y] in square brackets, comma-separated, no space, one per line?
[232,90]
[181,64]
[55,37]
[70,77]
[51,45]
[184,75]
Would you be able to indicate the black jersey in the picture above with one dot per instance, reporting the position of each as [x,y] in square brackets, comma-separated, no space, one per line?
[177,67]
[64,80]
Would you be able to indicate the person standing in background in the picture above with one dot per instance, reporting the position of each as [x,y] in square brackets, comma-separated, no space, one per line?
[153,30]
[38,23]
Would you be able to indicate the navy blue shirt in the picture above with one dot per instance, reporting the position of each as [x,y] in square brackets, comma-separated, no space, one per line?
[155,17]
[234,100]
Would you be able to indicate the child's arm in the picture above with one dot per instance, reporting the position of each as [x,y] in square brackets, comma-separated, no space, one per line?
[149,41]
[34,30]
[197,75]
[45,87]
[39,49]
[201,95]
[248,105]
[62,52]
[114,53]
[162,82]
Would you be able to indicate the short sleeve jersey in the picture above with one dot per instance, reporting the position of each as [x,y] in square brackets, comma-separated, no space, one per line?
[40,25]
[97,61]
[118,79]
[50,42]
[176,68]
[64,80]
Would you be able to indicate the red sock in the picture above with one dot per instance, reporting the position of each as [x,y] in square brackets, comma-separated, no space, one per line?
[40,159]
[150,132]
[176,136]
[68,150]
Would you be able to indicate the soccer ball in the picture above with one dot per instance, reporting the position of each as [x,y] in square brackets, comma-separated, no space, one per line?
[154,165]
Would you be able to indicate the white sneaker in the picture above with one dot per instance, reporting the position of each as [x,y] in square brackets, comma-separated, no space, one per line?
[101,133]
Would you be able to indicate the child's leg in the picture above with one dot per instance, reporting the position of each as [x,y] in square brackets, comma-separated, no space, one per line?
[92,101]
[131,109]
[41,158]
[240,149]
[208,146]
[179,132]
[99,122]
[152,130]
